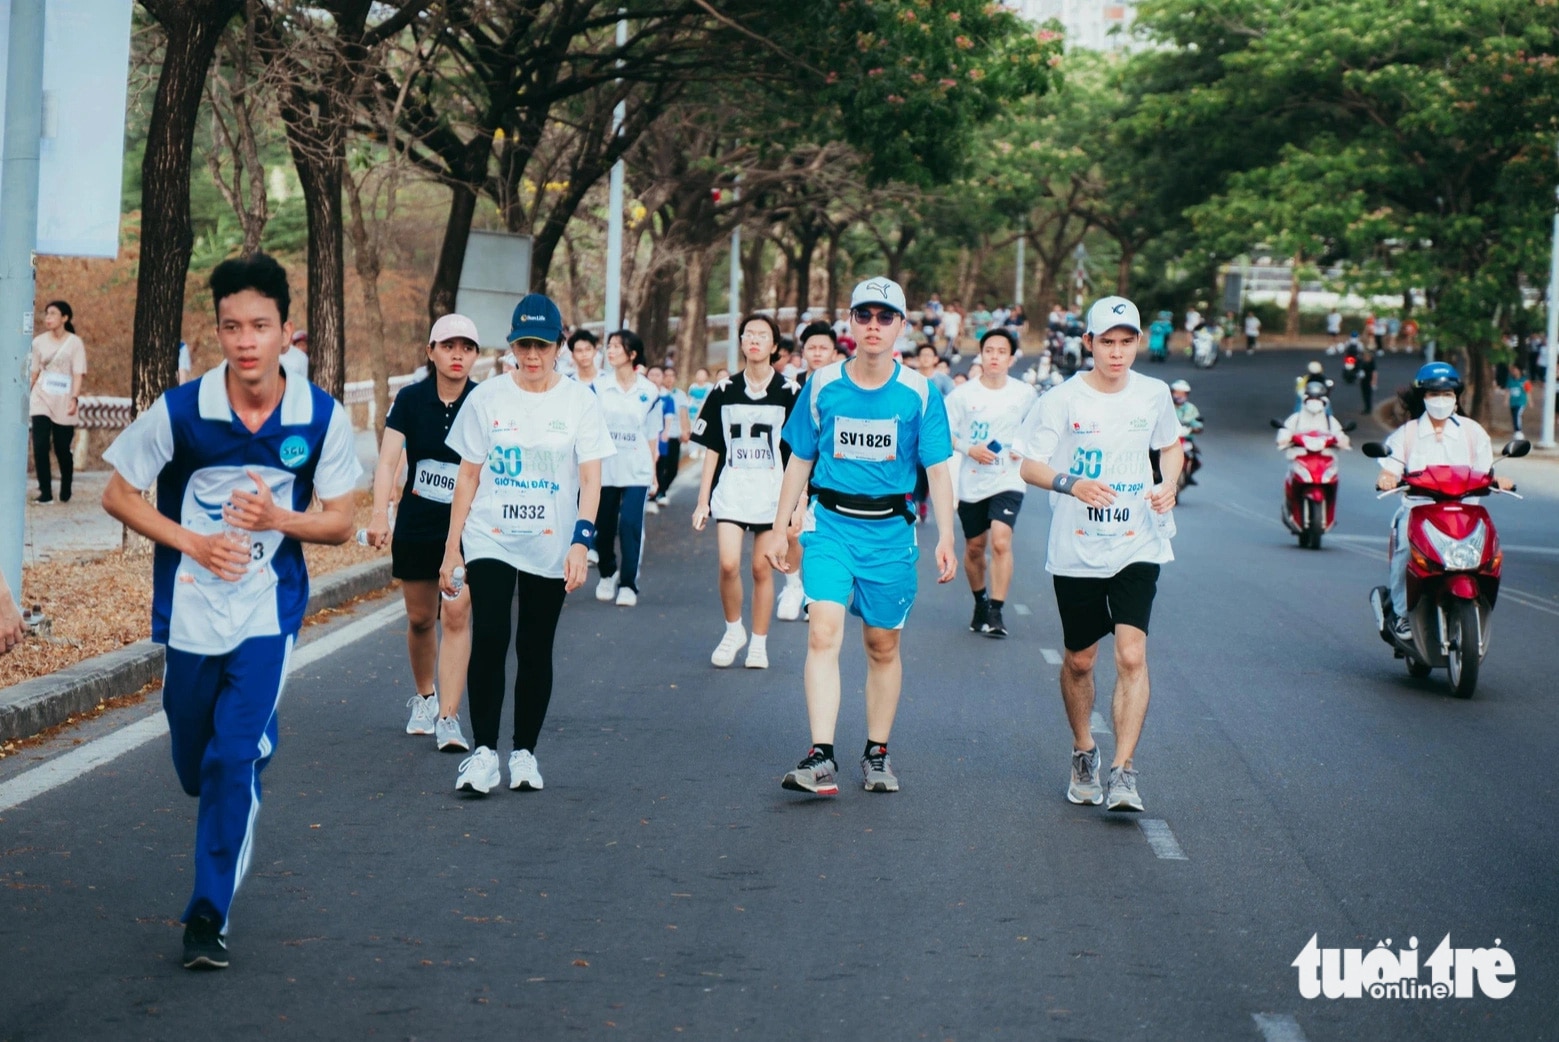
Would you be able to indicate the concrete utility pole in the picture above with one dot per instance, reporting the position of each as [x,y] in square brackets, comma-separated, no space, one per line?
[736,290]
[614,205]
[18,237]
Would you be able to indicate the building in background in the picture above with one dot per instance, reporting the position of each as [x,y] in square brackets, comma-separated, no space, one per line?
[1099,25]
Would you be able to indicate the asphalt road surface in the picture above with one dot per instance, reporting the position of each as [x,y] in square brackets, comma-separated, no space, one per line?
[1297,783]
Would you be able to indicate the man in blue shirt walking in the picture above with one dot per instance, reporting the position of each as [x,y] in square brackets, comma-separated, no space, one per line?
[857,434]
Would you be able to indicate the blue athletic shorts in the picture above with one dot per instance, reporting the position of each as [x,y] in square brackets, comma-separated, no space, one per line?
[876,582]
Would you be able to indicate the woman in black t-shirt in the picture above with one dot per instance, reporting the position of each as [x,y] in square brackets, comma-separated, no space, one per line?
[417,425]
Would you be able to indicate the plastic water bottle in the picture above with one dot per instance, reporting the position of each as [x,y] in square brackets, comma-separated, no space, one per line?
[457,579]
[362,533]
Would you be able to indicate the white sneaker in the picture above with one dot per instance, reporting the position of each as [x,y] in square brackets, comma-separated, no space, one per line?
[591,557]
[789,609]
[757,657]
[447,732]
[523,772]
[478,772]
[626,597]
[651,507]
[424,711]
[730,644]
[606,589]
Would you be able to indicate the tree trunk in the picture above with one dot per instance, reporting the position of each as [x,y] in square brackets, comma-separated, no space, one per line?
[320,174]
[807,245]
[571,265]
[693,334]
[1291,322]
[833,273]
[193,29]
[752,273]
[366,258]
[660,290]
[1122,271]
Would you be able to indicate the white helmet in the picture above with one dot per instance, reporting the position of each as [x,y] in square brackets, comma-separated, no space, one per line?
[1180,387]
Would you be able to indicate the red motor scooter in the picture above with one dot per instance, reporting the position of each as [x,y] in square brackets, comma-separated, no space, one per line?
[1453,571]
[1310,490]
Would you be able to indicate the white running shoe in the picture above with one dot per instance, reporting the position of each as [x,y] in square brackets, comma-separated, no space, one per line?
[651,507]
[591,557]
[757,657]
[478,772]
[626,597]
[523,771]
[447,732]
[725,651]
[789,609]
[424,711]
[606,589]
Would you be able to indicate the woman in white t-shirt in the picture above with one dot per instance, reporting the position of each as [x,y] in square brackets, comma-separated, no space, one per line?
[523,517]
[57,365]
[631,407]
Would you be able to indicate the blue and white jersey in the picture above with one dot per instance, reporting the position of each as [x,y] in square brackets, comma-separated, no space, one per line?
[198,452]
[868,443]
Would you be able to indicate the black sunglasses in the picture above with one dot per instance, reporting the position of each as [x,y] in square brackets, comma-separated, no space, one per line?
[883,317]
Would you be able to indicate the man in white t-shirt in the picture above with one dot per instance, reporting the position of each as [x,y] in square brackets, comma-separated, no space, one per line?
[1091,442]
[986,417]
[295,359]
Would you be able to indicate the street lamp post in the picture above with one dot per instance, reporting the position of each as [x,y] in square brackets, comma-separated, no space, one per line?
[1551,348]
[735,289]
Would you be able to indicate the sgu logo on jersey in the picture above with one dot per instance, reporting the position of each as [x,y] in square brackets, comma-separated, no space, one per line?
[294,452]
[1380,973]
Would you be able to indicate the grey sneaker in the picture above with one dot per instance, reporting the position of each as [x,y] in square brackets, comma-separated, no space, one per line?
[1123,790]
[877,771]
[424,711]
[816,774]
[478,772]
[1085,787]
[447,732]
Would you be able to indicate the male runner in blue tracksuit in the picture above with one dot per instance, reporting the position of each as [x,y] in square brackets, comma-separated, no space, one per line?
[236,457]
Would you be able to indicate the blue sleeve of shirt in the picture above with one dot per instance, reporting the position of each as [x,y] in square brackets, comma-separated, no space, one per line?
[936,441]
[800,432]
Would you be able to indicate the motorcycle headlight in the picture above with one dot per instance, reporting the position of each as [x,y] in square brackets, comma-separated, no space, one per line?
[1458,555]
[1331,473]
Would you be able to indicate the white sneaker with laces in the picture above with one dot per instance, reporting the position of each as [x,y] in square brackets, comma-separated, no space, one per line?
[424,711]
[606,589]
[725,651]
[650,507]
[447,732]
[789,608]
[524,774]
[478,772]
[626,597]
[757,657]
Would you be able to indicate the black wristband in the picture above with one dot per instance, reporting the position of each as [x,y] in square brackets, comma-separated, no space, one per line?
[1063,484]
[584,534]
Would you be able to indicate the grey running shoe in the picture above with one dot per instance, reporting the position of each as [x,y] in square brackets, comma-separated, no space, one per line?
[478,772]
[816,774]
[1123,790]
[1085,787]
[447,732]
[994,626]
[977,624]
[204,946]
[424,712]
[877,771]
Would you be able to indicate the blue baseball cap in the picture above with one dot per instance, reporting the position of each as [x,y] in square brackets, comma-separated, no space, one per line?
[536,318]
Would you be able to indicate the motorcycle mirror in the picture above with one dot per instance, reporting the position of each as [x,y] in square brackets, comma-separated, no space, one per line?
[1517,449]
[1276,424]
[1375,450]
[1349,426]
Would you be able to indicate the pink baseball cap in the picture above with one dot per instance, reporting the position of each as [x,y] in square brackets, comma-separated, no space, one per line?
[450,326]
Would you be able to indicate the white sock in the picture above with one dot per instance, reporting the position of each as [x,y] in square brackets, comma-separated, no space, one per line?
[792,580]
[760,642]
[736,628]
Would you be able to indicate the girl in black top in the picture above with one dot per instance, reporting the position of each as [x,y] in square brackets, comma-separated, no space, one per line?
[417,425]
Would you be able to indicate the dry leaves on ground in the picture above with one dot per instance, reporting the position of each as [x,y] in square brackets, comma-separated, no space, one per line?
[101,604]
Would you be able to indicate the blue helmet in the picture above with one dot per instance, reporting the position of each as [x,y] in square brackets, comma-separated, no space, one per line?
[1438,376]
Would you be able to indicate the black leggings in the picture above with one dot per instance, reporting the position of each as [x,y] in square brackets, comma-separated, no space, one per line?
[45,431]
[492,584]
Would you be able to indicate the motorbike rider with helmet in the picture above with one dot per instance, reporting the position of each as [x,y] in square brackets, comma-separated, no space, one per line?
[1313,416]
[1190,418]
[1435,436]
[1314,372]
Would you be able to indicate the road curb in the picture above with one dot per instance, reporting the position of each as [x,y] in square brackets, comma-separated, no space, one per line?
[35,705]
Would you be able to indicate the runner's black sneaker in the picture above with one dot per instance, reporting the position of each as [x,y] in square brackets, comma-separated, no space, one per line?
[981,612]
[816,774]
[204,946]
[994,626]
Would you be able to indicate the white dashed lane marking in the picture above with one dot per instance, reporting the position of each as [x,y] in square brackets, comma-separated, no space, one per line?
[1022,609]
[1278,1027]
[1161,839]
[1050,655]
[1097,724]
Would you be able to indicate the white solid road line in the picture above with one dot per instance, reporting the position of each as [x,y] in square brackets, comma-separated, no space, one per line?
[1278,1027]
[1022,609]
[1097,725]
[1050,655]
[1161,839]
[94,754]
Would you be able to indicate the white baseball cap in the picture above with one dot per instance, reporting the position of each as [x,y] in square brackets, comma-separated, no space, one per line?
[879,291]
[450,326]
[1109,312]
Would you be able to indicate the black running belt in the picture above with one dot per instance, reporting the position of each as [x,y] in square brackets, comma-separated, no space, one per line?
[870,508]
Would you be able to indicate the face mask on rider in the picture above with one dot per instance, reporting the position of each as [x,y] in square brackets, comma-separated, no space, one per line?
[1314,406]
[1440,406]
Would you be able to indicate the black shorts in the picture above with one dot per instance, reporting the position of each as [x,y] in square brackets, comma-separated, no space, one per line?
[747,526]
[415,561]
[1091,608]
[976,517]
